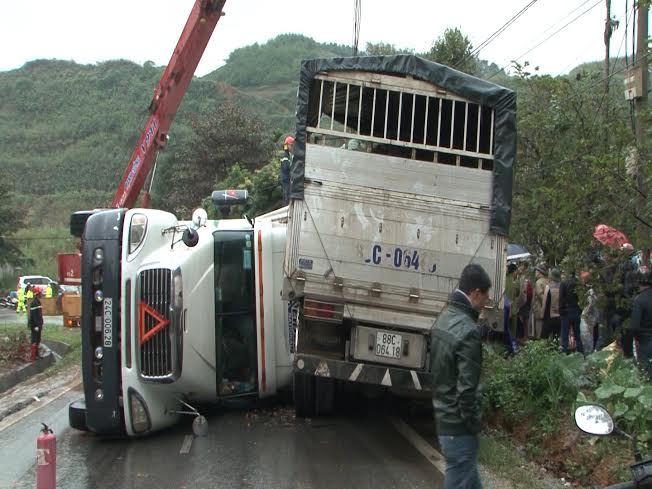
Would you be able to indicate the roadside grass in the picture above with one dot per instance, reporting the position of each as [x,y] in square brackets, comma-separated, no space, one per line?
[500,456]
[70,336]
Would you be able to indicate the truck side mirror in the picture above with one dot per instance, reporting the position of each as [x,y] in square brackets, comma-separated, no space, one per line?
[190,237]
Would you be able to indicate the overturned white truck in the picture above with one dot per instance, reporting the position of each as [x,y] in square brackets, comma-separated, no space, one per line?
[402,175]
[178,312]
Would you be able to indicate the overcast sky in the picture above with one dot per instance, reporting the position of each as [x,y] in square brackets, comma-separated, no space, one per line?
[88,31]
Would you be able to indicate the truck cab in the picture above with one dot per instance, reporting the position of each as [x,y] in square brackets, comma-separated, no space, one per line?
[179,312]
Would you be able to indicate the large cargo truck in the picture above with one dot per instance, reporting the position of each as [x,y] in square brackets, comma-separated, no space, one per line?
[402,175]
[177,313]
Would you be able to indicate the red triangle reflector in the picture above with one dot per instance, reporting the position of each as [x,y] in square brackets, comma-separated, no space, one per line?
[160,324]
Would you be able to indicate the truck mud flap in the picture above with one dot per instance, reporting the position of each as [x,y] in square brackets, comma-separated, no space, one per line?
[363,372]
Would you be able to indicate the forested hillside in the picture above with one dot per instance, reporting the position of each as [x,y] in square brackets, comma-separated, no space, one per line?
[65,127]
[67,132]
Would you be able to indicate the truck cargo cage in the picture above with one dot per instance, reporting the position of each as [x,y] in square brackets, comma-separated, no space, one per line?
[399,116]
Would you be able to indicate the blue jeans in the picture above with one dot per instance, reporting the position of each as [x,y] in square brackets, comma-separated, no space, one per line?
[571,320]
[461,454]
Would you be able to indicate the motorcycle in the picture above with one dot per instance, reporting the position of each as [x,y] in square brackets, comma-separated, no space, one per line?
[596,420]
[9,302]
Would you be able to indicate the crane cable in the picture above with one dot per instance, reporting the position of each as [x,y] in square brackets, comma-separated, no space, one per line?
[357,14]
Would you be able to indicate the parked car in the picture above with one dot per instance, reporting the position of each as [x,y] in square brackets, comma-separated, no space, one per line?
[40,282]
[516,253]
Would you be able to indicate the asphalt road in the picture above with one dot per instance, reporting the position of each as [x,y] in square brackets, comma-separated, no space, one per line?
[8,316]
[247,446]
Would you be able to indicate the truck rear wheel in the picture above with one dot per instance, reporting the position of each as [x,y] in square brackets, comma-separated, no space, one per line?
[303,387]
[324,395]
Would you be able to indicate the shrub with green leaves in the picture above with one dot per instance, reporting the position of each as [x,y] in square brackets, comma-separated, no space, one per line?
[623,390]
[539,378]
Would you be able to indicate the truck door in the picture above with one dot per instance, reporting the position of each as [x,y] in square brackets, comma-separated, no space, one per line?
[235,315]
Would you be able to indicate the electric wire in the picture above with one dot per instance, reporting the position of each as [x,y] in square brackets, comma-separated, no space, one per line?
[496,34]
[357,17]
[501,69]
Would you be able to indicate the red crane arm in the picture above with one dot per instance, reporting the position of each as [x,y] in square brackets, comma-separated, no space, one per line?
[167,97]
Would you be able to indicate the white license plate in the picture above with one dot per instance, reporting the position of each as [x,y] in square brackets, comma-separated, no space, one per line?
[388,344]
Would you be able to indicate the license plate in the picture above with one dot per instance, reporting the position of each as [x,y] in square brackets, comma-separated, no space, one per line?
[388,345]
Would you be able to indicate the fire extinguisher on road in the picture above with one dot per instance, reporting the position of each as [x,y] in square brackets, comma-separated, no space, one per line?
[46,459]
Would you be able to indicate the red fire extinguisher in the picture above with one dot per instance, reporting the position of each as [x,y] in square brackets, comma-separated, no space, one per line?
[46,459]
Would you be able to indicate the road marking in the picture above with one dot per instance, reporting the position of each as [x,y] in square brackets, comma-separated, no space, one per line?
[422,446]
[387,379]
[12,419]
[356,372]
[415,379]
[187,443]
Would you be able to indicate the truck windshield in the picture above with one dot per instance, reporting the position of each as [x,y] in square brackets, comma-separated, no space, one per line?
[235,332]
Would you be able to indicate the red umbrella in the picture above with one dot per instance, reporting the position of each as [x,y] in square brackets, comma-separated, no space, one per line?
[609,236]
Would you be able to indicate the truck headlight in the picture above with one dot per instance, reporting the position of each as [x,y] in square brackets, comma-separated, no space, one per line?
[140,421]
[137,229]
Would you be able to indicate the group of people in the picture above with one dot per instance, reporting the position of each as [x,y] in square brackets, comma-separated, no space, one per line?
[541,307]
[29,299]
[585,312]
[617,303]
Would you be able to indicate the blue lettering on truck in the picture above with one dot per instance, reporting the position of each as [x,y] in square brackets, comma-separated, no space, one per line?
[398,257]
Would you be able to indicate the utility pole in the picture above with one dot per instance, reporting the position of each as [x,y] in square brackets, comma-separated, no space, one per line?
[640,106]
[607,44]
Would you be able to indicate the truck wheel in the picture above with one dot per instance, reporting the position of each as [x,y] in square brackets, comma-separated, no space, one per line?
[303,387]
[324,395]
[77,415]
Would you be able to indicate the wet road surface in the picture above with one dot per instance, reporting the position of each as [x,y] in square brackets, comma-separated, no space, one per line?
[247,446]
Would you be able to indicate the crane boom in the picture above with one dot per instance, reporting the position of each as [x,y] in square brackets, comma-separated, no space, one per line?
[167,97]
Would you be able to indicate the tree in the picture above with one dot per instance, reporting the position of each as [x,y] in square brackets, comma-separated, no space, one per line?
[454,49]
[221,138]
[263,186]
[11,221]
[570,173]
[384,49]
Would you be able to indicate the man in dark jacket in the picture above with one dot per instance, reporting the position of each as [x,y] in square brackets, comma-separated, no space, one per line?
[35,323]
[570,312]
[640,324]
[456,365]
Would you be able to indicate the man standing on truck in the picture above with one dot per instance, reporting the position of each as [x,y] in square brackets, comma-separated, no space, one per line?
[456,366]
[286,162]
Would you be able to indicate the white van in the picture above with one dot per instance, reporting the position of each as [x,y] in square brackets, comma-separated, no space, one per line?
[39,282]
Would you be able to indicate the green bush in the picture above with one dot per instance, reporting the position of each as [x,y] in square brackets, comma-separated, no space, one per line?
[544,384]
[623,390]
[538,379]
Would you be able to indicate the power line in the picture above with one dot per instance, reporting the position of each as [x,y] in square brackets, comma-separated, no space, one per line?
[549,37]
[357,17]
[501,29]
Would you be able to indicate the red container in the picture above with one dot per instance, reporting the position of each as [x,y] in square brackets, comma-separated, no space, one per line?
[69,268]
[46,459]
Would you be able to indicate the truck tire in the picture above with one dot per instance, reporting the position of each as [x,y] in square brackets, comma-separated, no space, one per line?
[303,387]
[77,415]
[324,395]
